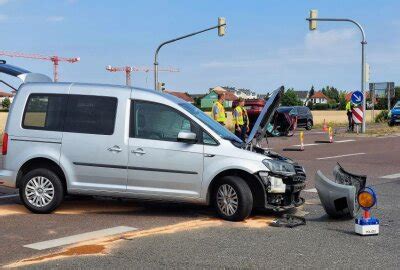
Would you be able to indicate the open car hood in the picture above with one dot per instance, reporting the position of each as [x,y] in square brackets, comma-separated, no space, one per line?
[260,127]
[23,74]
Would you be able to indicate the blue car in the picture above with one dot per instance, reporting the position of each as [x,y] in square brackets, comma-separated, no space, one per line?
[394,114]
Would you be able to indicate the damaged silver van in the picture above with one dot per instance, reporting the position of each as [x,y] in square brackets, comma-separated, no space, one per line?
[94,139]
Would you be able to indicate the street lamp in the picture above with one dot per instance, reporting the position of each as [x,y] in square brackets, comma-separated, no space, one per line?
[221,32]
[313,25]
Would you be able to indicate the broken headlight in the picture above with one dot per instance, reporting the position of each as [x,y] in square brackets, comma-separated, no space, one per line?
[279,167]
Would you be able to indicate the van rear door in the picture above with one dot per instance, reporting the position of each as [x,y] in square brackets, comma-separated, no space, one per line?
[95,144]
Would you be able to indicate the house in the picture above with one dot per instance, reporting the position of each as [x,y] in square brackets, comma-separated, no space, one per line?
[319,98]
[302,95]
[208,100]
[4,95]
[240,92]
[186,97]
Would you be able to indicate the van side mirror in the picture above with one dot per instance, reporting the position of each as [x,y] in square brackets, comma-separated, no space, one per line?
[187,137]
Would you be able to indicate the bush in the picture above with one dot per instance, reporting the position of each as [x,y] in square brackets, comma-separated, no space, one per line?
[383,116]
[320,106]
[6,103]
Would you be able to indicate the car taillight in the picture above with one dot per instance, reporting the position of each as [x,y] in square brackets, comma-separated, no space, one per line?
[5,144]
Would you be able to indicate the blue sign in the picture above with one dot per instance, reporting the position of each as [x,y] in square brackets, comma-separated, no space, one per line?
[357,97]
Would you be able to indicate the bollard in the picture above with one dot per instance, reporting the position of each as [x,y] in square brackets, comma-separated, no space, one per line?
[324,127]
[330,131]
[302,141]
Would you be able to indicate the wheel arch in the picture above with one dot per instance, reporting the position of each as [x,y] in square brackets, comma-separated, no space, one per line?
[255,184]
[40,162]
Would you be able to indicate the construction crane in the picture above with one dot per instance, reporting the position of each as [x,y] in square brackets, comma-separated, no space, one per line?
[128,70]
[55,59]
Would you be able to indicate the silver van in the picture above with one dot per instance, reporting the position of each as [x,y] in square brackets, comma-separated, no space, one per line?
[92,139]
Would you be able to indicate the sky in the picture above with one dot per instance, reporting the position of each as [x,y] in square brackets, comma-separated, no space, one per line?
[267,43]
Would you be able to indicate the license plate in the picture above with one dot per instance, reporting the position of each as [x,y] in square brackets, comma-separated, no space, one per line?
[247,107]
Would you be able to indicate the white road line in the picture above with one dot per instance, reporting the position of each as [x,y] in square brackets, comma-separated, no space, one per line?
[307,144]
[343,141]
[79,238]
[347,155]
[9,196]
[311,144]
[313,190]
[391,176]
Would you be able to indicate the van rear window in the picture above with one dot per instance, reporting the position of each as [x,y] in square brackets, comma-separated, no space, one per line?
[44,111]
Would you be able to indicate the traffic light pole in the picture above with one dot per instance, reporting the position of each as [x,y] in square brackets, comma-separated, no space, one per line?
[171,41]
[363,42]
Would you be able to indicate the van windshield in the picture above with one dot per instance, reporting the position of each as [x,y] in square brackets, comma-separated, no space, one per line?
[217,128]
[397,105]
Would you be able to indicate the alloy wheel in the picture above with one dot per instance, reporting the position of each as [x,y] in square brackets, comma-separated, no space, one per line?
[227,200]
[39,191]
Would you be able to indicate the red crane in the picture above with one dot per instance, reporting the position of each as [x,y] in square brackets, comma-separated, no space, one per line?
[128,70]
[55,59]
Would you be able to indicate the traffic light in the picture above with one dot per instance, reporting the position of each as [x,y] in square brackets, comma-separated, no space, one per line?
[221,26]
[312,23]
[161,86]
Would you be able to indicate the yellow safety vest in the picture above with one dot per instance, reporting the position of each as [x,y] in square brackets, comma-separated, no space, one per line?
[348,106]
[240,116]
[220,115]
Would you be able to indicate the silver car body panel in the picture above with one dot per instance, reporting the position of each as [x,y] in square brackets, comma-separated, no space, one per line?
[337,199]
[166,164]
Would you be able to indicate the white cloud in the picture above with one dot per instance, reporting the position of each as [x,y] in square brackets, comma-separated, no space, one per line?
[2,2]
[55,19]
[331,47]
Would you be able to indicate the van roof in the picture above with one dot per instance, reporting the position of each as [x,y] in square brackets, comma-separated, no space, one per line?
[99,85]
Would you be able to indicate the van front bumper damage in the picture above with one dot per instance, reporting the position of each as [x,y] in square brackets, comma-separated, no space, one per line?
[283,191]
[339,196]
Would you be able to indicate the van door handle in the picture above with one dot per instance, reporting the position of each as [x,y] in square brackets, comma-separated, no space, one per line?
[138,151]
[115,148]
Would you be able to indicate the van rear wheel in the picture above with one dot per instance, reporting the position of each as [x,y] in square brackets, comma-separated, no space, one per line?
[233,199]
[41,191]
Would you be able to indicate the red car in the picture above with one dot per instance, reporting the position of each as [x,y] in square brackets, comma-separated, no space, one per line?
[253,107]
[283,124]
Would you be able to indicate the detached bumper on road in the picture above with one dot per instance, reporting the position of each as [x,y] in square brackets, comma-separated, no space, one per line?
[7,178]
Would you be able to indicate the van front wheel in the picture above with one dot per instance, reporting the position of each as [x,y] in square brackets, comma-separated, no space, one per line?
[41,191]
[233,198]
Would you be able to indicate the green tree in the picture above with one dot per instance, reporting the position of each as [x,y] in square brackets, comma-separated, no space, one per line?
[290,98]
[311,92]
[6,103]
[342,100]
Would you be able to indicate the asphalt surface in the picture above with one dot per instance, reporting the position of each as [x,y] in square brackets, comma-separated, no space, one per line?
[189,236]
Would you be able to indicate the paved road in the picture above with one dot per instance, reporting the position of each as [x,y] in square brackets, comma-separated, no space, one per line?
[187,236]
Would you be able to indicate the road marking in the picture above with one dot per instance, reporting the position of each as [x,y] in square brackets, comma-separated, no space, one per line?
[343,141]
[311,144]
[313,190]
[391,176]
[389,136]
[307,144]
[9,196]
[79,238]
[347,155]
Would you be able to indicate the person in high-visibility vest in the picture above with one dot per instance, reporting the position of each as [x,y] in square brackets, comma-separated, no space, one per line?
[349,112]
[218,110]
[241,120]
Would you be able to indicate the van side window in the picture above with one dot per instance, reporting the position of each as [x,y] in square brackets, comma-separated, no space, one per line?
[157,122]
[91,114]
[44,112]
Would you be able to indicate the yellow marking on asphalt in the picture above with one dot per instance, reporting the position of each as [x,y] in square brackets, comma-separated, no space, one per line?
[75,208]
[102,246]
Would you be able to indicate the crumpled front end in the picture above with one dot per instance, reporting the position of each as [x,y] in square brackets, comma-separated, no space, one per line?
[283,191]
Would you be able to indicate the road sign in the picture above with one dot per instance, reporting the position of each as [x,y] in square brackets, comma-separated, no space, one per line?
[357,97]
[381,90]
[358,115]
